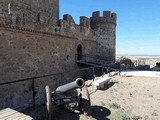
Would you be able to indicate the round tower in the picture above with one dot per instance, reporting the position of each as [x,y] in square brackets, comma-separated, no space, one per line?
[105,32]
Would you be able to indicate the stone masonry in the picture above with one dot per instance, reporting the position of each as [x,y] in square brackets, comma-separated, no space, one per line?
[35,42]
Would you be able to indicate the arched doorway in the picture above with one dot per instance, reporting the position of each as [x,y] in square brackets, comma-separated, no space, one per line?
[79,52]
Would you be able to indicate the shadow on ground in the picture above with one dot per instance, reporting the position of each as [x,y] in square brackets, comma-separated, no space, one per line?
[64,114]
[100,113]
[107,86]
[97,112]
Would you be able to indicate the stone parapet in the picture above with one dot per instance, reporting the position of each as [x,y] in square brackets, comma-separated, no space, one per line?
[107,17]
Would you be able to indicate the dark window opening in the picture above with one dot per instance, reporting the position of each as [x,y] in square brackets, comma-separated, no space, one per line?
[38,17]
[23,19]
[55,30]
[17,20]
[79,52]
[68,57]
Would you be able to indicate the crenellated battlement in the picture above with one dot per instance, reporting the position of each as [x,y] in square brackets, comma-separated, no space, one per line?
[106,17]
[84,24]
[84,21]
[68,26]
[68,18]
[106,14]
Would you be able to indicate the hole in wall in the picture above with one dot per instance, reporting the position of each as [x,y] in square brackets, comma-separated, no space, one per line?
[68,57]
[79,52]
[55,30]
[38,17]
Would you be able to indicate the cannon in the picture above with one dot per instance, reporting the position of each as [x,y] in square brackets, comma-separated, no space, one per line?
[75,93]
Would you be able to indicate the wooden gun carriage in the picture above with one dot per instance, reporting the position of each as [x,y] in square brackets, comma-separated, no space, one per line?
[73,96]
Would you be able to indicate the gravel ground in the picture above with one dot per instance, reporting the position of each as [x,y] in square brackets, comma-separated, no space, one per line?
[124,98]
[130,98]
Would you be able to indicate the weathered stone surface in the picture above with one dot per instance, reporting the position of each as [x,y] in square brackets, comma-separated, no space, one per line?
[105,32]
[35,14]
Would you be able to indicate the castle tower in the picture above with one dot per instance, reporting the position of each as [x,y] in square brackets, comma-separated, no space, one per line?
[39,15]
[105,32]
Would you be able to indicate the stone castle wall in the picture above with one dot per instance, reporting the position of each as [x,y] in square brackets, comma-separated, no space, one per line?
[34,42]
[39,15]
[29,54]
[26,54]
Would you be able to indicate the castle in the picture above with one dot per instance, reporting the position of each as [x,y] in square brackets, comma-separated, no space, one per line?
[35,42]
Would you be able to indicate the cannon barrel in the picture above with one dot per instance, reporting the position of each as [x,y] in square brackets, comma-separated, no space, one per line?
[78,83]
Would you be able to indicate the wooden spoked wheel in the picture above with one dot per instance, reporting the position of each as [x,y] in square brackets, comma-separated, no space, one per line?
[48,102]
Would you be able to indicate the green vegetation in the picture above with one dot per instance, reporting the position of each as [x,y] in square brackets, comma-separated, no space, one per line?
[115,106]
[154,114]
[125,117]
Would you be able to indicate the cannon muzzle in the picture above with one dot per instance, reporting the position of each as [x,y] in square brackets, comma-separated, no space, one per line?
[78,83]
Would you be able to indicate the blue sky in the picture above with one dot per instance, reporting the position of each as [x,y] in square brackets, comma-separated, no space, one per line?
[138,22]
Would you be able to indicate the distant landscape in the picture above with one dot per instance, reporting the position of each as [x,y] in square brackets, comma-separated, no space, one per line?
[147,59]
[136,55]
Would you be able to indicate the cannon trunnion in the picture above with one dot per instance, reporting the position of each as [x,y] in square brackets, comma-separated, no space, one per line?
[69,97]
